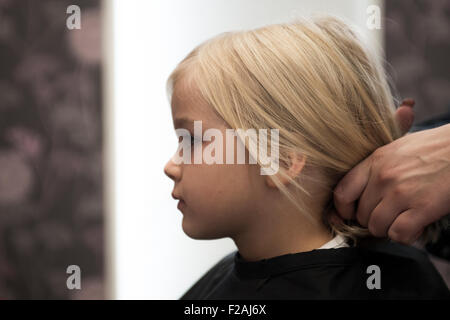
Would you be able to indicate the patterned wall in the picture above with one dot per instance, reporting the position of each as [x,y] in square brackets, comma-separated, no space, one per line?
[50,150]
[417,36]
[418,50]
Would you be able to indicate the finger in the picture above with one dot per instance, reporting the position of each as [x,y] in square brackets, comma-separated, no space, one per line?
[407,227]
[384,214]
[368,201]
[404,116]
[350,188]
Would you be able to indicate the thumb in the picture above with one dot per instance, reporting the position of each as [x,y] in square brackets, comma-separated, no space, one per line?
[404,115]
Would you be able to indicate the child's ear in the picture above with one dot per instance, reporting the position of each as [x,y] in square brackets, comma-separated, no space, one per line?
[295,166]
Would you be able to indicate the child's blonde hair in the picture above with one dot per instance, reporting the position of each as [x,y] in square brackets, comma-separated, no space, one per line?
[311,79]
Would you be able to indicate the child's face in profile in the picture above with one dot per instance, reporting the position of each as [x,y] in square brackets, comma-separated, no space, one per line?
[220,200]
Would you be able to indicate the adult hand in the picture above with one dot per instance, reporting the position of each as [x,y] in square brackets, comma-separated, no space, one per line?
[401,187]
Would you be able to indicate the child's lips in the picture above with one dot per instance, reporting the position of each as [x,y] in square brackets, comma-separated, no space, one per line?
[181,204]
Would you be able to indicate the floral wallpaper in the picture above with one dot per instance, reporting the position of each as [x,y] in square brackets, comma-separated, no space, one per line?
[50,150]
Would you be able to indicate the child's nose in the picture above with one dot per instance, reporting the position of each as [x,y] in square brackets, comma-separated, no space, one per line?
[172,170]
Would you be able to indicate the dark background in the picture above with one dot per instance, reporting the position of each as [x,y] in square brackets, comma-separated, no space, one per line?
[50,150]
[417,34]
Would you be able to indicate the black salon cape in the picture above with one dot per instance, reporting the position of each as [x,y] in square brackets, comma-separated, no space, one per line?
[341,273]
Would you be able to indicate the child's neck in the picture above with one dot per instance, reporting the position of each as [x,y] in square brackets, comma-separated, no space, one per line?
[277,238]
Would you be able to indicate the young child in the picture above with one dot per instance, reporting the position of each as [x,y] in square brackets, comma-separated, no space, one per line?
[316,84]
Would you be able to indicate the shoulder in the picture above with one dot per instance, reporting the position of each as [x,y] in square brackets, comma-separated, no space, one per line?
[211,278]
[374,269]
[404,270]
[390,252]
[222,266]
[228,259]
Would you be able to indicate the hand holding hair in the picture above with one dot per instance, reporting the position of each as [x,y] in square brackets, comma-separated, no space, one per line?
[402,187]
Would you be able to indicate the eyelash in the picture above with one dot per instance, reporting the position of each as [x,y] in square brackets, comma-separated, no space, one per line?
[192,140]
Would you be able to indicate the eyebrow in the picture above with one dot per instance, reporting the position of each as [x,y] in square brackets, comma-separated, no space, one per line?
[183,122]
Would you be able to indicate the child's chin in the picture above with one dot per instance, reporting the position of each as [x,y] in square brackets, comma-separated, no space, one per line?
[199,232]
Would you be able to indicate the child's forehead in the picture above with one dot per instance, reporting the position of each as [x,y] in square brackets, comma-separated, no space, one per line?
[187,103]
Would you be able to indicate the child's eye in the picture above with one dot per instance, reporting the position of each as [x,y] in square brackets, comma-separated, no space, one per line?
[192,139]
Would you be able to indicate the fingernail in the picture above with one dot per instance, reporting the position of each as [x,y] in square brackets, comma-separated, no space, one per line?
[409,102]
